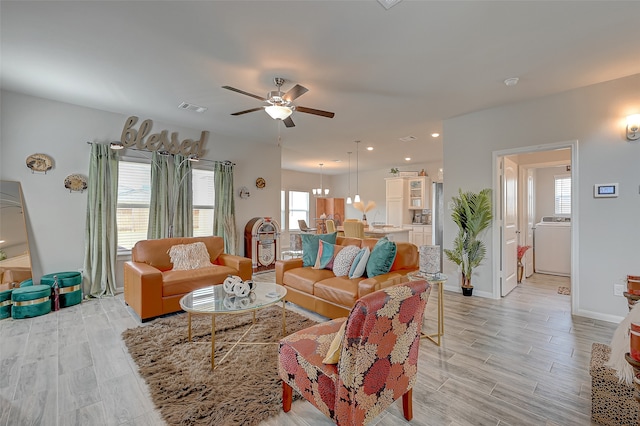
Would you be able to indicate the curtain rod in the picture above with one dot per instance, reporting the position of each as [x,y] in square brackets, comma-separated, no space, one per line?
[144,150]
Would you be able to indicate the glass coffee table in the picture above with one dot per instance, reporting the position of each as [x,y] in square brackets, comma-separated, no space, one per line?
[213,301]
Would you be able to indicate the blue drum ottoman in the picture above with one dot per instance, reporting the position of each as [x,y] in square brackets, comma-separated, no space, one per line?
[5,304]
[30,301]
[70,287]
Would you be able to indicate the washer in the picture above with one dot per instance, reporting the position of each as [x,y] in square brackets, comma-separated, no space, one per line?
[552,246]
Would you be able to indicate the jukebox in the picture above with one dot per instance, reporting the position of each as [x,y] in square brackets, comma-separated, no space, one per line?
[262,243]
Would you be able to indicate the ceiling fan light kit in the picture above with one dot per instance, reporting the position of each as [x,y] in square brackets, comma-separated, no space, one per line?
[278,112]
[280,105]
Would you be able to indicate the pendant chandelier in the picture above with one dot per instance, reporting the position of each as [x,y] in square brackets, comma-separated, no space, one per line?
[349,201]
[322,191]
[356,199]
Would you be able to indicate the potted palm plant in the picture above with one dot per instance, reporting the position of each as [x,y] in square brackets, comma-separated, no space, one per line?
[472,213]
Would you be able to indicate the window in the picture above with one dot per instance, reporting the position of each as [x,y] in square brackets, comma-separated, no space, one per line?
[298,209]
[134,196]
[562,194]
[203,198]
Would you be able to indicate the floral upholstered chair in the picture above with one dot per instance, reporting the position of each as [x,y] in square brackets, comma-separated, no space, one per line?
[378,356]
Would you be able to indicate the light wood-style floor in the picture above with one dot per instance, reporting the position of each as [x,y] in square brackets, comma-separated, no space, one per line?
[521,360]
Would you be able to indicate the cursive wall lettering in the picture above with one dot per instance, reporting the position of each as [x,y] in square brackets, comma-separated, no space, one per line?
[160,141]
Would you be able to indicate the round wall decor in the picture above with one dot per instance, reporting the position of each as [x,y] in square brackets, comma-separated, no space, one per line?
[260,183]
[39,162]
[244,192]
[75,182]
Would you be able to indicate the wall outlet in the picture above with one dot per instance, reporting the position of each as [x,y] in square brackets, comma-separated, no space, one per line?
[618,289]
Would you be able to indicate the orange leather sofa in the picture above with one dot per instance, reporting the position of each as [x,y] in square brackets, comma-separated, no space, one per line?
[319,290]
[152,288]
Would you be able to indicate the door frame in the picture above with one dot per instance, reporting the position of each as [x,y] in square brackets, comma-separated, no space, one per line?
[575,217]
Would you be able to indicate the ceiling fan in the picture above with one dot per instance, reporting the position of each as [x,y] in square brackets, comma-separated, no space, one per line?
[280,105]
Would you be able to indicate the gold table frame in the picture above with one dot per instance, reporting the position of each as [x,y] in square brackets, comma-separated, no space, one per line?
[439,280]
[250,308]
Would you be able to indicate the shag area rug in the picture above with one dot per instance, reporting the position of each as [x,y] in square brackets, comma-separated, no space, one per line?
[564,290]
[244,389]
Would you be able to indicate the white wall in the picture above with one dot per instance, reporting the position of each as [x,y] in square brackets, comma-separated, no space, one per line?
[608,229]
[56,217]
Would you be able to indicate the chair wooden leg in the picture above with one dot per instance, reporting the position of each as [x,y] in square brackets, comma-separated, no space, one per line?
[287,396]
[407,408]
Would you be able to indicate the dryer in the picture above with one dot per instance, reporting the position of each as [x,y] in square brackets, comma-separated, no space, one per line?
[552,246]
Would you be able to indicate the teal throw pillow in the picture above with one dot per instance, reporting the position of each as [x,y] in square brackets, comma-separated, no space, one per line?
[359,263]
[310,243]
[382,257]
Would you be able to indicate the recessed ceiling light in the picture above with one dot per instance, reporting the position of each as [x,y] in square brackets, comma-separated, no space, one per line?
[192,107]
[407,159]
[512,81]
[435,135]
[408,138]
[369,148]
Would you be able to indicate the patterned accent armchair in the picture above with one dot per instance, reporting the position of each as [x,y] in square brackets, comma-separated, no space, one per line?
[378,360]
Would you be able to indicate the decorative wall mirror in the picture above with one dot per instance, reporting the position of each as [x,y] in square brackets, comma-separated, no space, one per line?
[15,258]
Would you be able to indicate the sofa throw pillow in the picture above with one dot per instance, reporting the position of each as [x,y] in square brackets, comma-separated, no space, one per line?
[310,244]
[333,354]
[344,259]
[327,253]
[382,257]
[189,256]
[359,264]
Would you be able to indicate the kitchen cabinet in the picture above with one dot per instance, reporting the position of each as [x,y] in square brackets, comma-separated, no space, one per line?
[420,235]
[397,191]
[419,194]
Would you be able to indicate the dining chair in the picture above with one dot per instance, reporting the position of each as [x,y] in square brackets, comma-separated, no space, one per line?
[378,356]
[302,224]
[354,229]
[331,226]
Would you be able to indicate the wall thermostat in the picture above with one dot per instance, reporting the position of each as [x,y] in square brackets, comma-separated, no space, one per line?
[605,190]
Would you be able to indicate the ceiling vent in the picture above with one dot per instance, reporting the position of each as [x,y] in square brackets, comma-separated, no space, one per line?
[408,138]
[192,107]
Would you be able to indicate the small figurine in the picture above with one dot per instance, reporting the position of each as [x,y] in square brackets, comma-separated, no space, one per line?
[422,173]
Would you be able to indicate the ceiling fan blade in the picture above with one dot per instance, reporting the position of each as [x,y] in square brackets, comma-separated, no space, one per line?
[247,110]
[315,111]
[233,89]
[288,122]
[295,92]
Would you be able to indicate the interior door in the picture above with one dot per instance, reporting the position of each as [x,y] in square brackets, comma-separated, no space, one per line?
[510,225]
[531,220]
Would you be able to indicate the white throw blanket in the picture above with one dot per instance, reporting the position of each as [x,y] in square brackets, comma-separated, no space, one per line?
[620,346]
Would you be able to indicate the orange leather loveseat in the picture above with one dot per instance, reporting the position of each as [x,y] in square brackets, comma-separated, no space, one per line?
[319,290]
[151,286]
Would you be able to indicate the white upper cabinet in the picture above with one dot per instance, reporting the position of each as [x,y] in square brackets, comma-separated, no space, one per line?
[419,194]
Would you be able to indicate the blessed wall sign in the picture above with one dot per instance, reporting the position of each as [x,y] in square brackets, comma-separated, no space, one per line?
[143,140]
